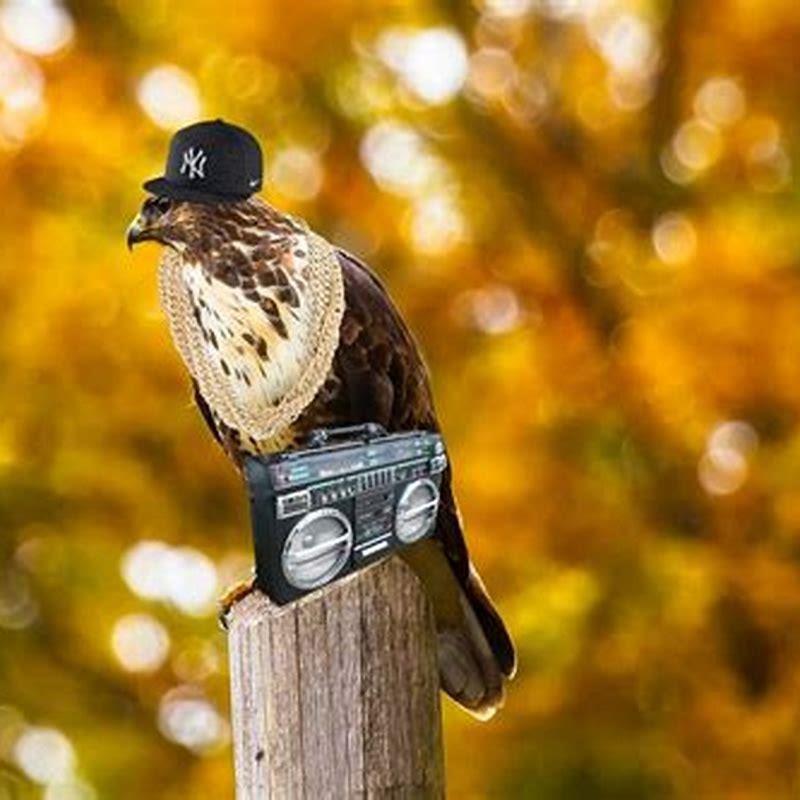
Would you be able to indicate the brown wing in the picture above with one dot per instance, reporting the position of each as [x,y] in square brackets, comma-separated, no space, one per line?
[377,373]
[379,376]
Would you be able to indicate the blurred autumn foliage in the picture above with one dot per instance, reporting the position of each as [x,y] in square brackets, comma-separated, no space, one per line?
[587,213]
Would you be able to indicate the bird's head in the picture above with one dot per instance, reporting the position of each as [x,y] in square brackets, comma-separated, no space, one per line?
[163,220]
[191,227]
[179,224]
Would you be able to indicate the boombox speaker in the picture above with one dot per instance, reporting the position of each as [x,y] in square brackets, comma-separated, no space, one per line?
[348,497]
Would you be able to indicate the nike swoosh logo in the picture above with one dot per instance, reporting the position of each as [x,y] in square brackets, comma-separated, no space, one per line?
[254,183]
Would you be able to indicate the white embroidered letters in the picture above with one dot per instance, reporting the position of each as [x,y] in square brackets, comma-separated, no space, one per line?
[194,161]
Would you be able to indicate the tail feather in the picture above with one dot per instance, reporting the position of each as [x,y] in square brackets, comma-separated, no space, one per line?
[468,670]
[491,623]
[476,654]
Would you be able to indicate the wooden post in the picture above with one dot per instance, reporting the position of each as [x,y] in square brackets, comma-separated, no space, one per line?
[337,696]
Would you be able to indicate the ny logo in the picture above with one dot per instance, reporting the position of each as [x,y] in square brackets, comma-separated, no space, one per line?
[194,162]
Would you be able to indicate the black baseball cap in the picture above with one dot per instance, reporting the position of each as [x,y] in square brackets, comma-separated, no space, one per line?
[210,162]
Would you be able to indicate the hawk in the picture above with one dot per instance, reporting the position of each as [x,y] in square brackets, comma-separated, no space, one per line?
[246,272]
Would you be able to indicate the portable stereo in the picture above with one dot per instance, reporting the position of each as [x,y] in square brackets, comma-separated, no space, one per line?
[348,497]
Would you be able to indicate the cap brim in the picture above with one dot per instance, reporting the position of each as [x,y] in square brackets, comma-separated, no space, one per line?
[163,188]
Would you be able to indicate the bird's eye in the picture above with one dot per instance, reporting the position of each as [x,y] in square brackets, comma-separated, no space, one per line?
[163,204]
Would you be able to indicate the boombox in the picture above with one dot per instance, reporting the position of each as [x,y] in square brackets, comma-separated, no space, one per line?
[348,497]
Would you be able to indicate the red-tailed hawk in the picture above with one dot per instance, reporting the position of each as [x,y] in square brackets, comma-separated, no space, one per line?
[246,269]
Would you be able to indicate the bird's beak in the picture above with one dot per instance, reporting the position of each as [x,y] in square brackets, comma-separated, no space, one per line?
[136,231]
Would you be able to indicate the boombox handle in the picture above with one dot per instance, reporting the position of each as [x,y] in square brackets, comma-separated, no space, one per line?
[322,436]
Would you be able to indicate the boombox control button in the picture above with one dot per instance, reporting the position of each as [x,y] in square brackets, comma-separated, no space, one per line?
[290,504]
[438,463]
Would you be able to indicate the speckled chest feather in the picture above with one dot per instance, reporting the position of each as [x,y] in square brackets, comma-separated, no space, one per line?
[254,304]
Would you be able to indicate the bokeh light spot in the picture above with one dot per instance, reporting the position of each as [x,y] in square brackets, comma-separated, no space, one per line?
[492,309]
[45,755]
[437,224]
[398,158]
[181,576]
[675,169]
[143,569]
[733,435]
[297,173]
[431,63]
[697,145]
[22,103]
[169,96]
[492,72]
[140,642]
[674,238]
[189,719]
[723,468]
[39,27]
[627,43]
[722,472]
[720,101]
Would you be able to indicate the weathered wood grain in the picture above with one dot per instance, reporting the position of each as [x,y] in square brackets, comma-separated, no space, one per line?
[337,696]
